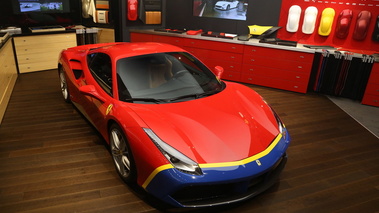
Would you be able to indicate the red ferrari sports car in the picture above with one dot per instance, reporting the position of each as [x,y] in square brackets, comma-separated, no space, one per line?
[173,126]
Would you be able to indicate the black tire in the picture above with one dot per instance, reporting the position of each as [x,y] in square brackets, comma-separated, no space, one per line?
[122,154]
[63,85]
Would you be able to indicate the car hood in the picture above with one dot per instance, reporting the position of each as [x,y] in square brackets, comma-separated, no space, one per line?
[229,126]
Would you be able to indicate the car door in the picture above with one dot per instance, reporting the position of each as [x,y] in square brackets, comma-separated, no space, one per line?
[100,67]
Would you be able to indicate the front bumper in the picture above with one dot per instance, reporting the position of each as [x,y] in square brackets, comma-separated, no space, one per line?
[221,183]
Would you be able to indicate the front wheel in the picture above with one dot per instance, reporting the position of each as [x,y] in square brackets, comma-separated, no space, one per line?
[63,84]
[122,155]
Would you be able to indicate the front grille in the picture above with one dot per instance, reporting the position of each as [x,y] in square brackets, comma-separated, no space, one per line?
[203,195]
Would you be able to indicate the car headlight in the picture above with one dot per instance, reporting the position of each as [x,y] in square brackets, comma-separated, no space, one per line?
[282,128]
[176,158]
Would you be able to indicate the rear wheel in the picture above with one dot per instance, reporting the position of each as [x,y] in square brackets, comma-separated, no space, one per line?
[122,155]
[63,84]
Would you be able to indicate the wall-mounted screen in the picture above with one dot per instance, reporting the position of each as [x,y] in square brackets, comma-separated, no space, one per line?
[44,6]
[225,9]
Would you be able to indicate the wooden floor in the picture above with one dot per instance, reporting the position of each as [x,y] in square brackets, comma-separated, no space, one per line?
[52,160]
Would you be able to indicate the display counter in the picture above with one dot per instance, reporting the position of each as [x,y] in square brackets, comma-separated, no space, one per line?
[40,51]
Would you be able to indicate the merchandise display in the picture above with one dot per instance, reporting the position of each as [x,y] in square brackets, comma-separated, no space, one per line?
[132,10]
[269,33]
[194,32]
[102,16]
[102,4]
[343,74]
[178,31]
[375,33]
[150,11]
[258,30]
[351,28]
[326,21]
[218,35]
[310,18]
[293,18]
[89,9]
[362,25]
[343,23]
[244,37]
[319,47]
[39,29]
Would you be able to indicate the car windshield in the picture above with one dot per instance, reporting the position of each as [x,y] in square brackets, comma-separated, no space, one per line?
[164,77]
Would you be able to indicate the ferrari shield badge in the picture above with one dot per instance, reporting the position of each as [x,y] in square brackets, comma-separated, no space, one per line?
[109,108]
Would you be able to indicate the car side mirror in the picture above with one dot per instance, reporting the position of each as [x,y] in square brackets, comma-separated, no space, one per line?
[218,72]
[90,90]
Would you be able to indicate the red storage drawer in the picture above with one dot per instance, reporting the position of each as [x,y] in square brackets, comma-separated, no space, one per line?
[214,45]
[232,76]
[300,77]
[199,53]
[372,100]
[140,37]
[217,55]
[277,53]
[225,56]
[277,63]
[227,65]
[274,83]
[372,89]
[374,77]
[254,50]
[177,41]
[371,96]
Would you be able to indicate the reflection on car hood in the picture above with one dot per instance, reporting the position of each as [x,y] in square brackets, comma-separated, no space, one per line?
[231,125]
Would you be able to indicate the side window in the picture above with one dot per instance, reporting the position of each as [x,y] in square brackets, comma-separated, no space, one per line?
[101,68]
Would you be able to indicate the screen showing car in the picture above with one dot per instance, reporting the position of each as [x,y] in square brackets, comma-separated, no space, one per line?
[225,9]
[47,6]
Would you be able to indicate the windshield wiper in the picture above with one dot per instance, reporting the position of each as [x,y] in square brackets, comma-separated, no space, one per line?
[194,95]
[146,100]
[154,100]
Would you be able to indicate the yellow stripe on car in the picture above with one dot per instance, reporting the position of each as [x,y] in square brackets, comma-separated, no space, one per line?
[155,172]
